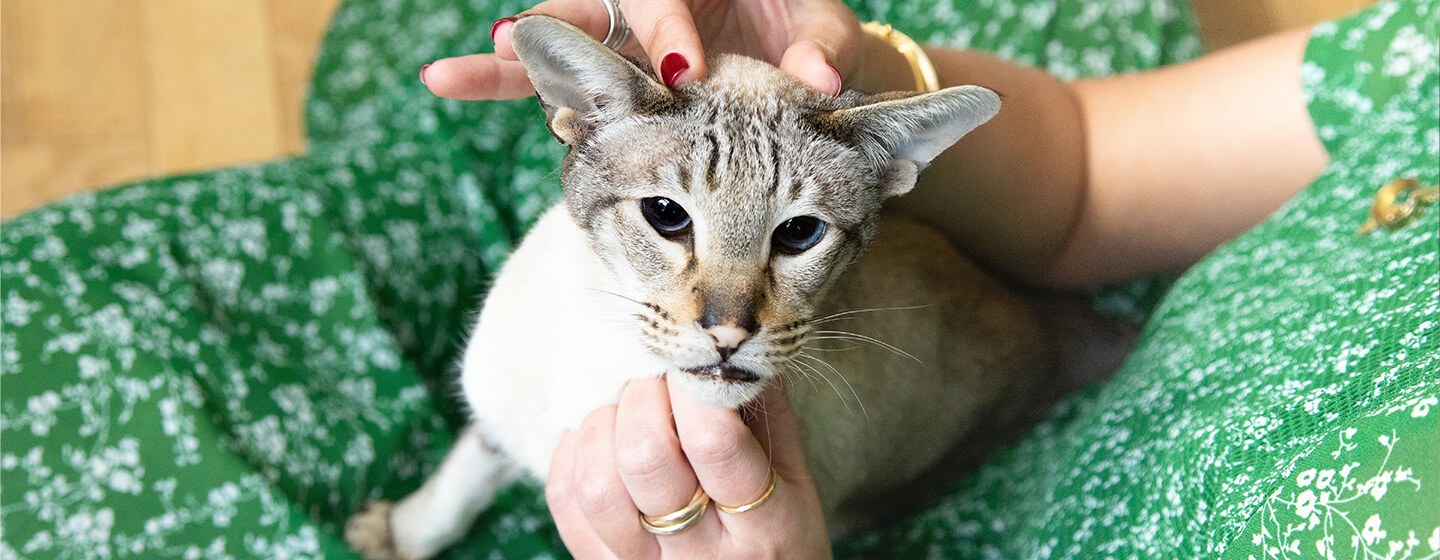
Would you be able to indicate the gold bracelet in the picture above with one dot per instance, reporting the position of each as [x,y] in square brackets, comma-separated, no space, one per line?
[926,79]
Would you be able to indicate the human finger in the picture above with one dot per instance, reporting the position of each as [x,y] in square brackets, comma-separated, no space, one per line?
[725,456]
[603,495]
[807,61]
[475,77]
[666,30]
[822,41]
[794,519]
[652,465]
[588,15]
[575,530]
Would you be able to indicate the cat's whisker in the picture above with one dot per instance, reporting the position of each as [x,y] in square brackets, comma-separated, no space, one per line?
[595,291]
[610,313]
[845,335]
[822,375]
[842,378]
[793,370]
[790,369]
[835,316]
[756,410]
[788,345]
[895,351]
[845,349]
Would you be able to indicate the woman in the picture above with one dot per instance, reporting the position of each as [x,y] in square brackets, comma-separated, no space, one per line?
[1071,185]
[228,364]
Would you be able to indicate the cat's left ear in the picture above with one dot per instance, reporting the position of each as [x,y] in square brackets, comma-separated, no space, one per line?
[913,130]
[581,82]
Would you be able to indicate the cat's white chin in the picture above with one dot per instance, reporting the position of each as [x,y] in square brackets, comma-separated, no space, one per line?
[714,388]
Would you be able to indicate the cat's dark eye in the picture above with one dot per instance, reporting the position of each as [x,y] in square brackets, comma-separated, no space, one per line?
[665,215]
[798,234]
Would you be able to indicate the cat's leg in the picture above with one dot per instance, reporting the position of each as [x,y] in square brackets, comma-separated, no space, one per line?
[441,511]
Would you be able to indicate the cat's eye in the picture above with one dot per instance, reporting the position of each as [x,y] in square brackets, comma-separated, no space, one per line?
[665,215]
[798,234]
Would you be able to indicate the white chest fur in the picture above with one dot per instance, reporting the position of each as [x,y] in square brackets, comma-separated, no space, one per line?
[553,343]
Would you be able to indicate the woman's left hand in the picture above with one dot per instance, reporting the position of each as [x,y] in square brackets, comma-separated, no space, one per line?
[817,41]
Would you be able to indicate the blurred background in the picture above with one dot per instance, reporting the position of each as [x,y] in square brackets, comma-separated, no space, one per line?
[97,92]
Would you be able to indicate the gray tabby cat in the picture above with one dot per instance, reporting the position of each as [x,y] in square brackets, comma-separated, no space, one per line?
[703,236]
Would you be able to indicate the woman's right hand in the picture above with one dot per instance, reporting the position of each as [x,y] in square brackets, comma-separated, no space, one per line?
[648,454]
[814,40]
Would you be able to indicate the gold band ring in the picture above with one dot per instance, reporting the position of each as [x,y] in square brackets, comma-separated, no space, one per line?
[674,523]
[752,505]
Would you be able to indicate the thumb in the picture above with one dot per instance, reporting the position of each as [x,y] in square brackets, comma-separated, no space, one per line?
[588,15]
[806,60]
[821,46]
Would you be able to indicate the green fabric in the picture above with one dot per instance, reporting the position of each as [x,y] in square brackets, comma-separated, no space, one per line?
[1361,490]
[227,364]
[1282,400]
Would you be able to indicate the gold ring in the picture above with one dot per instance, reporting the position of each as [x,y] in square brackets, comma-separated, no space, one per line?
[674,523]
[752,505]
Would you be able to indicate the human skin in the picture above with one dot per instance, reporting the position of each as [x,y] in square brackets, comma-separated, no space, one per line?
[1072,184]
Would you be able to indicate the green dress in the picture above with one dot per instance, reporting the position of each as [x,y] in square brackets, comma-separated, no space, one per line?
[1282,402]
[224,365]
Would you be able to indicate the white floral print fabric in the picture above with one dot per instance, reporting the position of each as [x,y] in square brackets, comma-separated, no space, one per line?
[225,365]
[1297,350]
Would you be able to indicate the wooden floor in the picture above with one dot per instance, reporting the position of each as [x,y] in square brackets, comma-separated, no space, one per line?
[95,92]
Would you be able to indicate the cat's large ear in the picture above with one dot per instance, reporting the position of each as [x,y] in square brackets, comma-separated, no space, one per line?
[912,130]
[581,82]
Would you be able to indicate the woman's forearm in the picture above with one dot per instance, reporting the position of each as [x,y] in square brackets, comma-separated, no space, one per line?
[1184,158]
[1101,180]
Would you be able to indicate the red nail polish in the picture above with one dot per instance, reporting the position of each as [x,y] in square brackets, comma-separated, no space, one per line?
[496,26]
[422,73]
[839,82]
[672,66]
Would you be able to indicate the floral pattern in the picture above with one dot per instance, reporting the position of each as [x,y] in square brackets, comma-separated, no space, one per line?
[1299,340]
[1338,505]
[225,365]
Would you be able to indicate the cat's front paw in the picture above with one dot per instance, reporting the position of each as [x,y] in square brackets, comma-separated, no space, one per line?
[368,532]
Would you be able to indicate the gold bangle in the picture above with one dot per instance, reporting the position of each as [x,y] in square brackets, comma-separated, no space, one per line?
[926,80]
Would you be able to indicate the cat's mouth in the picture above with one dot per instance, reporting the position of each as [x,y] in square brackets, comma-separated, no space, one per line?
[725,372]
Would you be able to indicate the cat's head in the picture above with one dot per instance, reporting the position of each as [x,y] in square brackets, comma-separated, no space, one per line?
[724,209]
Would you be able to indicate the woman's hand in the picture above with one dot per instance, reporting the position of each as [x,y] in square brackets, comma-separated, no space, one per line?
[814,40]
[649,453]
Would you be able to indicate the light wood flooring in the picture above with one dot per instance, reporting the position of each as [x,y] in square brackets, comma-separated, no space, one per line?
[96,92]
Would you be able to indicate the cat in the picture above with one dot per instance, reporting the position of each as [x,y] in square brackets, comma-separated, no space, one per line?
[702,236]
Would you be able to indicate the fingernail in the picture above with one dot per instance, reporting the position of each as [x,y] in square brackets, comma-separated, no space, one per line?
[839,82]
[672,66]
[495,27]
[422,73]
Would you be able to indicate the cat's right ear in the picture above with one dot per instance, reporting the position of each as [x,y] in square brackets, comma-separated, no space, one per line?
[581,82]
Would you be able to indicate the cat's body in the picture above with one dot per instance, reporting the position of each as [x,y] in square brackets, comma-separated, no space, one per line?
[746,289]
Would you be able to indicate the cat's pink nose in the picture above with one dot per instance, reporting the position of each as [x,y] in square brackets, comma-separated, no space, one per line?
[727,339]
